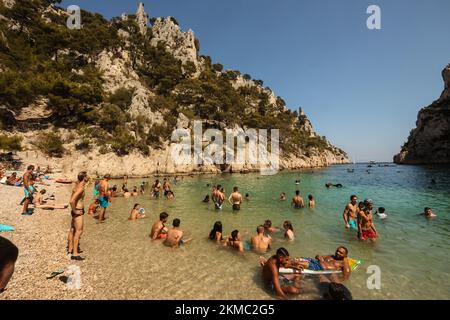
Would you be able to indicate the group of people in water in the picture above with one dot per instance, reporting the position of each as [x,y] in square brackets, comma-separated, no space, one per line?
[218,198]
[261,242]
[357,216]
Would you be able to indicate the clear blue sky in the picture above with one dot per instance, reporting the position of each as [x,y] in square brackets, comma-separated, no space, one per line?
[361,88]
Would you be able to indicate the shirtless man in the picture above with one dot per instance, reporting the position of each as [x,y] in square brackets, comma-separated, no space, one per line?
[175,235]
[218,197]
[40,203]
[338,261]
[235,199]
[366,228]
[159,230]
[77,211]
[428,213]
[261,243]
[234,241]
[27,177]
[103,197]
[135,214]
[166,187]
[297,201]
[350,213]
[156,189]
[276,282]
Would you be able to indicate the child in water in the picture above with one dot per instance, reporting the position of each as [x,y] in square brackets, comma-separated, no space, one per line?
[381,213]
[312,202]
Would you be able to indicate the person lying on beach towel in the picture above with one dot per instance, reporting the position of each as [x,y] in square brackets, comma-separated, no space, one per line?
[13,180]
[40,203]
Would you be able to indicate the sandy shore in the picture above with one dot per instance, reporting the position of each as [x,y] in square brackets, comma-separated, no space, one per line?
[41,239]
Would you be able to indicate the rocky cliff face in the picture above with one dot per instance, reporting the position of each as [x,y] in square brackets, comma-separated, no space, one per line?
[429,142]
[122,65]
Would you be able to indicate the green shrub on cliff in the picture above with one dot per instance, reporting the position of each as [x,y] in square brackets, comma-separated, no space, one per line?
[50,144]
[10,143]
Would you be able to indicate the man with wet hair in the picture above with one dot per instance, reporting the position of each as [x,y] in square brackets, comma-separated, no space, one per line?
[272,278]
[428,213]
[8,257]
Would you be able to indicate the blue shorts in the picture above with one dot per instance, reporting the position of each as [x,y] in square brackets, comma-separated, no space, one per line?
[218,205]
[103,202]
[27,194]
[156,194]
[314,264]
[353,224]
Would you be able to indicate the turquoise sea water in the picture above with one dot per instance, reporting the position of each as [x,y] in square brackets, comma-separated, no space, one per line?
[412,252]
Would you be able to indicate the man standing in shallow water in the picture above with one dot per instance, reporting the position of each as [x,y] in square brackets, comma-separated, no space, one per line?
[297,201]
[350,213]
[235,199]
[366,228]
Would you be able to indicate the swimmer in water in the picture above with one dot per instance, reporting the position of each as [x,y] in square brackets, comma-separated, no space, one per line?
[216,232]
[159,230]
[174,237]
[234,241]
[206,200]
[428,213]
[297,201]
[282,196]
[381,213]
[289,230]
[268,229]
[135,214]
[312,202]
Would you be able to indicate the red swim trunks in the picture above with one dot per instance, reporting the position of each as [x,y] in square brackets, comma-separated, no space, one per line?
[368,234]
[162,236]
